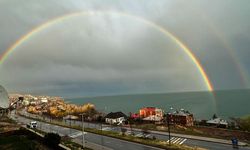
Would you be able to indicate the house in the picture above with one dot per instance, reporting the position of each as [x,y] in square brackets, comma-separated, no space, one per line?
[218,122]
[44,100]
[181,117]
[115,118]
[150,111]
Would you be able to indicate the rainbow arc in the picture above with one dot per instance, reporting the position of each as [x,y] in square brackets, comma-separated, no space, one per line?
[157,27]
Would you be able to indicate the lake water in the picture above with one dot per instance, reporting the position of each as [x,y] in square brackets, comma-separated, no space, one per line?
[231,103]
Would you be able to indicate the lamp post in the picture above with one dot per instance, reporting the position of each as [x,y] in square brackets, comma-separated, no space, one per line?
[83,138]
[168,121]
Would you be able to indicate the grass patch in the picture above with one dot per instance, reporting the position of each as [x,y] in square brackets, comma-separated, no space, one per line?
[17,142]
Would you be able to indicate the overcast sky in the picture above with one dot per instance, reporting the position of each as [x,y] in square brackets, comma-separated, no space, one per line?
[113,54]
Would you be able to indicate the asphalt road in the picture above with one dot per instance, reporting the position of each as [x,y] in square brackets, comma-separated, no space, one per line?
[120,144]
[189,142]
[108,142]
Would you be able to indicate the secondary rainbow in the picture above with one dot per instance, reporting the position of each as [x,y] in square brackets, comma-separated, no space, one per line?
[222,38]
[161,29]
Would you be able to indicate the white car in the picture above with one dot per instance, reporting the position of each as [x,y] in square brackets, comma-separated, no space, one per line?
[32,124]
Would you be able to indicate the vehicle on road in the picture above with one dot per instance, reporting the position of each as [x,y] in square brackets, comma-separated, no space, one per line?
[32,124]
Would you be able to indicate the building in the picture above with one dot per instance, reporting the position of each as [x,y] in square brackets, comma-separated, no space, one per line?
[44,100]
[115,118]
[150,111]
[218,122]
[181,117]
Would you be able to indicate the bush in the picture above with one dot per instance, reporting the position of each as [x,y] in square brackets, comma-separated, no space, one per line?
[52,139]
[244,123]
[154,138]
[124,130]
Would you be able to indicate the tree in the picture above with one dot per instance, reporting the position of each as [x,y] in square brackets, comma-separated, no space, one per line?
[244,124]
[215,116]
[145,130]
[131,121]
[124,130]
[52,139]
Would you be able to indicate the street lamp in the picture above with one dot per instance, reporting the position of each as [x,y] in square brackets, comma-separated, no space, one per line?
[168,121]
[83,138]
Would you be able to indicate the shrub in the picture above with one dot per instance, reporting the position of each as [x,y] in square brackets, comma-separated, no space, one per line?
[52,139]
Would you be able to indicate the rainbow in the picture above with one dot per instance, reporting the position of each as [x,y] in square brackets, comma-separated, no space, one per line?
[222,38]
[60,19]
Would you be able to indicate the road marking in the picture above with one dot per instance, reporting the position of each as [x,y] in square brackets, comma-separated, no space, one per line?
[176,140]
[107,129]
[172,138]
[76,134]
[182,141]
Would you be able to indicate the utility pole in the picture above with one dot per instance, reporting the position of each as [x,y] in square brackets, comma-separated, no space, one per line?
[83,138]
[70,124]
[169,136]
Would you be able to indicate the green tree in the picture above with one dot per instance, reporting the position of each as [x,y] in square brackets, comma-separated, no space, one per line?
[215,116]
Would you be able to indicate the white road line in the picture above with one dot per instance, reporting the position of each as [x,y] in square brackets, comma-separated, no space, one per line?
[76,134]
[106,129]
[73,135]
[170,139]
[182,141]
[179,140]
[175,140]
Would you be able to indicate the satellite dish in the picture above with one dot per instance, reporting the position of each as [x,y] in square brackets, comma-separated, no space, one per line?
[4,98]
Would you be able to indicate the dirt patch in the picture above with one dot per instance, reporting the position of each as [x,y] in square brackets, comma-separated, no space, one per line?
[224,133]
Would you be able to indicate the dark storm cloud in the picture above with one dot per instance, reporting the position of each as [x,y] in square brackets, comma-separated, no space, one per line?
[106,54]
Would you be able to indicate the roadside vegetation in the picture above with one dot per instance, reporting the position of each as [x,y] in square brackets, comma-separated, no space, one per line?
[243,123]
[212,132]
[65,140]
[14,137]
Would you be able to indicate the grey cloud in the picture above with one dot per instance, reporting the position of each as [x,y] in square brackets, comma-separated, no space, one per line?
[108,54]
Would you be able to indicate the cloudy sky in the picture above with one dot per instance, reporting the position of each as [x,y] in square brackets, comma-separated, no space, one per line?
[109,54]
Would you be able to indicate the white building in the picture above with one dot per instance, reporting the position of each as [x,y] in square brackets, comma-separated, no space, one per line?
[115,118]
[218,122]
[44,100]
